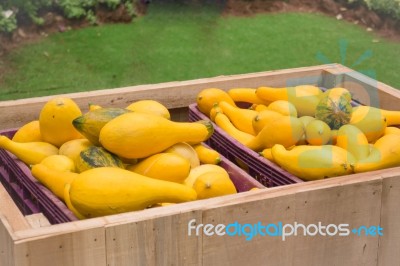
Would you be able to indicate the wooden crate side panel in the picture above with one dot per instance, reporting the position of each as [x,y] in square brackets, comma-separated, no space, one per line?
[260,250]
[11,212]
[171,94]
[6,243]
[389,243]
[352,203]
[79,248]
[158,241]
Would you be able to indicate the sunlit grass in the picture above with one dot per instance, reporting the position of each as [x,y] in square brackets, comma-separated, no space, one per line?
[181,43]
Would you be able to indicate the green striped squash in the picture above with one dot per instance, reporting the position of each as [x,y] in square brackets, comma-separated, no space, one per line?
[335,111]
[93,121]
[94,157]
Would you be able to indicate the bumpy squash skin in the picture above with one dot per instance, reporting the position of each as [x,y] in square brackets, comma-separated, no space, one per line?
[93,121]
[94,157]
[138,135]
[106,190]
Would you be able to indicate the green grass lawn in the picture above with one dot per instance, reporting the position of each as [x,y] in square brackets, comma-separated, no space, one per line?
[181,43]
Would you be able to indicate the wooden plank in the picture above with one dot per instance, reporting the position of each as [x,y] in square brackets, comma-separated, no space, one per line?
[77,248]
[15,113]
[389,243]
[6,243]
[10,211]
[37,220]
[158,241]
[342,201]
[260,250]
[353,204]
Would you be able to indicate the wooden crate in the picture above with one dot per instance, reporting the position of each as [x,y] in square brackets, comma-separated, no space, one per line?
[160,236]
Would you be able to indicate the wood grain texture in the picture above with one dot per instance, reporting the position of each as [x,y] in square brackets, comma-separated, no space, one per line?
[389,243]
[10,211]
[260,250]
[79,248]
[7,257]
[37,220]
[159,241]
[354,204]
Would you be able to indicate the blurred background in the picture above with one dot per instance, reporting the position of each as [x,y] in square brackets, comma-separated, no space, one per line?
[50,47]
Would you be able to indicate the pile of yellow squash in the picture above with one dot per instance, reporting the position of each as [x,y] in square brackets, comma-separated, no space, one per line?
[311,133]
[113,160]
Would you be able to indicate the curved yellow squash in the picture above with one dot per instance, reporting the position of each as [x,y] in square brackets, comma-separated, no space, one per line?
[354,141]
[287,131]
[304,97]
[384,154]
[28,152]
[108,190]
[53,179]
[241,118]
[138,135]
[314,162]
[164,166]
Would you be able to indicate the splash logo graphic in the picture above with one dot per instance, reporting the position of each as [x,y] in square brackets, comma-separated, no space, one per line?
[249,231]
[367,89]
[343,45]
